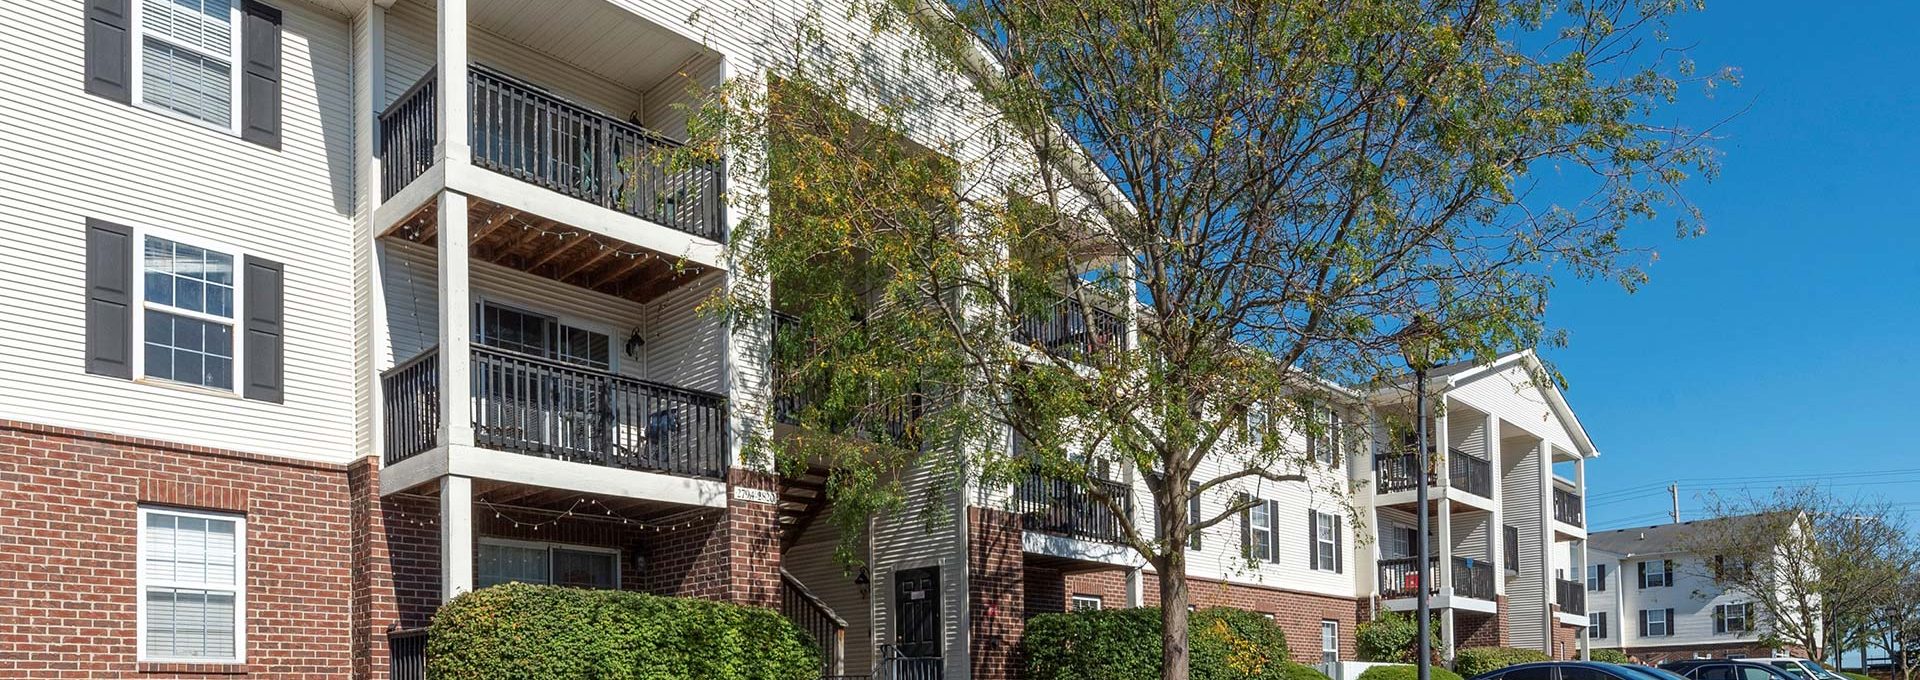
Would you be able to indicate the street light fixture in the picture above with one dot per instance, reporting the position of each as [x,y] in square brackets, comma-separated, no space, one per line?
[1415,349]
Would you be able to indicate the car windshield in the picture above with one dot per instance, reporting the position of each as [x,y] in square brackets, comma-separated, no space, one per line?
[1791,667]
[1823,671]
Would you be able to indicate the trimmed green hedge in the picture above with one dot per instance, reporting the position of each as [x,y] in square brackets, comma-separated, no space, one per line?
[527,631]
[1608,656]
[1473,661]
[1123,644]
[1390,638]
[1406,672]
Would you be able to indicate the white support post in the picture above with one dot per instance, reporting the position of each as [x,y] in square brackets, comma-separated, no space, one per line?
[1580,576]
[1446,634]
[451,63]
[456,311]
[1497,540]
[1443,537]
[1137,587]
[1544,580]
[456,536]
[748,370]
[376,97]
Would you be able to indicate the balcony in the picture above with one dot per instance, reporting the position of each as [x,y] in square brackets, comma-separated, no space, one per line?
[1400,578]
[887,419]
[1064,327]
[522,131]
[1395,472]
[539,407]
[1065,508]
[1571,596]
[1567,508]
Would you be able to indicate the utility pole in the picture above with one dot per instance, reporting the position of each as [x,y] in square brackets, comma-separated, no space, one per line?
[1674,491]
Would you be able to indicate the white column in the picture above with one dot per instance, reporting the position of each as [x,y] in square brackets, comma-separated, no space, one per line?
[456,536]
[1545,528]
[1137,587]
[1497,533]
[368,87]
[1446,634]
[456,310]
[451,61]
[375,80]
[748,372]
[1443,540]
[1580,576]
[1443,533]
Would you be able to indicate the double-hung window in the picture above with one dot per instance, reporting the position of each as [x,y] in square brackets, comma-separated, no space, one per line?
[1596,625]
[184,59]
[1326,541]
[1656,574]
[1324,446]
[1656,622]
[1086,603]
[1329,641]
[1733,618]
[503,561]
[192,583]
[1260,527]
[1597,577]
[188,316]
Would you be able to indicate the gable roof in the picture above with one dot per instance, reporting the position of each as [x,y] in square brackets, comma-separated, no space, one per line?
[1659,538]
[1442,378]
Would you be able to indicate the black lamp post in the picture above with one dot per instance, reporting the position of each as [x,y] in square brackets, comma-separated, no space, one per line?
[1414,349]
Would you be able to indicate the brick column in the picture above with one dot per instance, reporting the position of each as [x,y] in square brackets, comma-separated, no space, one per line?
[996,597]
[373,599]
[753,539]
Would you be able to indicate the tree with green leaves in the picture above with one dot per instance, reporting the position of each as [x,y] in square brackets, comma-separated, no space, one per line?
[1820,566]
[1156,237]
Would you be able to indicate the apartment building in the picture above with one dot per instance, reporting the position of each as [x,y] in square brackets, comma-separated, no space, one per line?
[1655,599]
[267,253]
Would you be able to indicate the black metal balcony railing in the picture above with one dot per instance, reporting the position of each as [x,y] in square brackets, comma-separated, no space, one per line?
[1567,507]
[535,406]
[407,654]
[1396,472]
[891,420]
[1473,578]
[1470,473]
[1400,577]
[523,131]
[1571,596]
[1062,507]
[1065,327]
[897,666]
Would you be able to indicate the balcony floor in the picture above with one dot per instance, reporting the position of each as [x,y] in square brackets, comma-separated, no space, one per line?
[546,248]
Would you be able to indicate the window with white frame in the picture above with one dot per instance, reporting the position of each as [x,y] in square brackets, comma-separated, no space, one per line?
[1325,445]
[1326,542]
[1656,622]
[1597,577]
[1596,625]
[1329,641]
[504,561]
[188,317]
[1733,618]
[1260,528]
[184,57]
[1258,422]
[192,583]
[1086,603]
[1399,540]
[1656,574]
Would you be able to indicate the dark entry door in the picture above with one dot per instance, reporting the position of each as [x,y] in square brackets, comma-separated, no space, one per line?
[916,610]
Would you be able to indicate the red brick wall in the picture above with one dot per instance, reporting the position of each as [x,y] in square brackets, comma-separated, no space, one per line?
[996,600]
[1298,613]
[1472,629]
[68,530]
[1566,641]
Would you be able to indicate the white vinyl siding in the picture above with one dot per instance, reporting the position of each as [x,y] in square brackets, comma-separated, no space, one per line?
[186,57]
[129,166]
[192,584]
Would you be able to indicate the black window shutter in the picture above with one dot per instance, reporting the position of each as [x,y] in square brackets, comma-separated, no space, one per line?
[1643,577]
[1313,540]
[109,299]
[1339,547]
[265,347]
[1273,531]
[1643,622]
[109,62]
[260,79]
[1669,623]
[1603,577]
[1719,618]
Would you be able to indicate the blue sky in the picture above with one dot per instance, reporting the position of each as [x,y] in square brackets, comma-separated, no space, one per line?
[1783,343]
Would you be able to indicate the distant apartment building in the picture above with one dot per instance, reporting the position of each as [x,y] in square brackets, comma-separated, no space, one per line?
[323,312]
[1653,598]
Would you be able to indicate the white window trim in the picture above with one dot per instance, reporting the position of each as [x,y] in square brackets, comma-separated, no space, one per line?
[138,48]
[1325,523]
[1263,549]
[615,343]
[1325,626]
[139,333]
[141,583]
[549,546]
[1666,627]
[1093,602]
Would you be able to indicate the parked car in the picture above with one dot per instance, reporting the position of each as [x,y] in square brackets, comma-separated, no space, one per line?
[1727,669]
[1804,669]
[1574,670]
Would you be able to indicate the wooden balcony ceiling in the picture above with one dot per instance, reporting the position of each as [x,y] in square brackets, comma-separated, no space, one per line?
[540,499]
[552,250]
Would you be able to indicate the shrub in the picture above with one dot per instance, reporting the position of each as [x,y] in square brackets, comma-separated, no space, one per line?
[1857,676]
[528,631]
[1122,644]
[1608,656]
[1390,638]
[1406,672]
[1473,661]
[1296,671]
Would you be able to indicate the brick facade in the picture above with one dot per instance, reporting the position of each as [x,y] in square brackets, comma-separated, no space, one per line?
[1298,613]
[68,530]
[996,599]
[1474,629]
